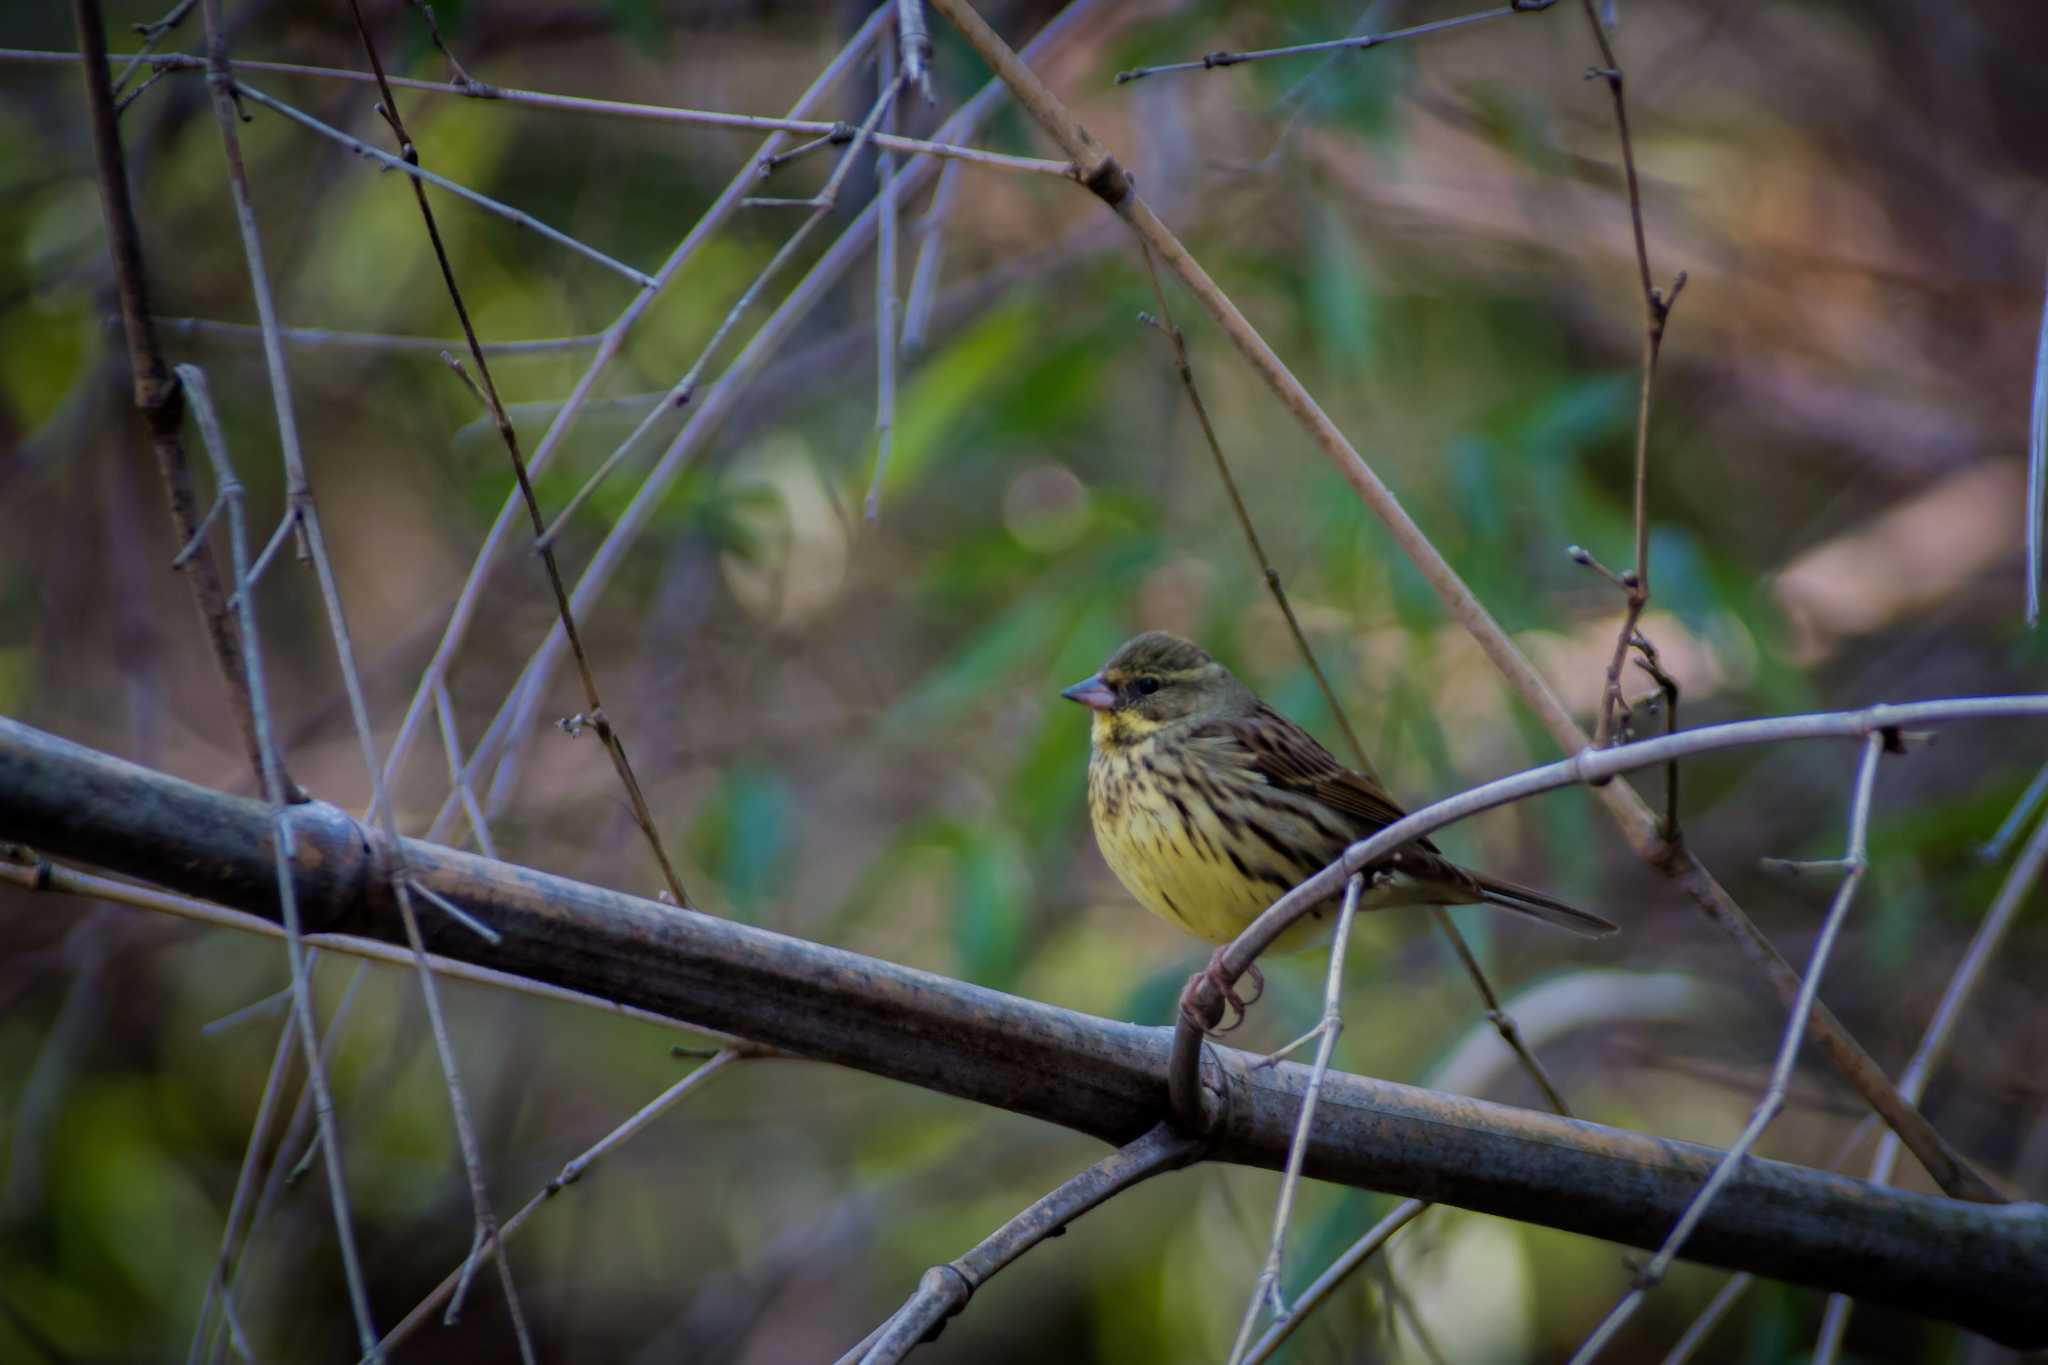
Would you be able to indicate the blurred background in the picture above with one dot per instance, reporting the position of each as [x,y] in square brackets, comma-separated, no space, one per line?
[851,732]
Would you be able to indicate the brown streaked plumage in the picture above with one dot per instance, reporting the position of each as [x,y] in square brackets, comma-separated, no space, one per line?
[1208,804]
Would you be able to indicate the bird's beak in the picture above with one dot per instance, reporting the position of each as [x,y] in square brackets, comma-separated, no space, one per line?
[1093,693]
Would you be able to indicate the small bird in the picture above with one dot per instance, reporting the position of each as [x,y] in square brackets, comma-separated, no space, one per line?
[1209,805]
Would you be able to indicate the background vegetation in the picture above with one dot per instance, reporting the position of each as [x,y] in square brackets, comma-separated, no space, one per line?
[850,731]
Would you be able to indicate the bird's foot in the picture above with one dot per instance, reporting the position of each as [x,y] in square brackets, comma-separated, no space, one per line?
[1213,976]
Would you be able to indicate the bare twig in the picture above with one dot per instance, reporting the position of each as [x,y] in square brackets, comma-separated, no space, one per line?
[1933,1046]
[1106,179]
[1996,847]
[221,84]
[2037,468]
[460,191]
[908,11]
[1327,1283]
[914,43]
[1856,862]
[1185,369]
[1267,1290]
[369,341]
[157,395]
[152,34]
[945,1289]
[228,488]
[470,597]
[686,388]
[451,745]
[614,744]
[86,885]
[1358,43]
[1503,1022]
[1656,311]
[569,1175]
[574,104]
[514,719]
[931,251]
[1709,1318]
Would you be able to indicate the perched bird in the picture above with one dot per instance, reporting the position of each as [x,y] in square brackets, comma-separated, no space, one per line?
[1209,805]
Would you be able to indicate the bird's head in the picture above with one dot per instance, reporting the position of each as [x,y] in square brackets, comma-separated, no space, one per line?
[1154,681]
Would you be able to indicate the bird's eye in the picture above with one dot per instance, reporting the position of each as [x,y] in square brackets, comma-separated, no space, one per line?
[1148,685]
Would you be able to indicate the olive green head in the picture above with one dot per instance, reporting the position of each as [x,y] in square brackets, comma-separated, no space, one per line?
[1154,680]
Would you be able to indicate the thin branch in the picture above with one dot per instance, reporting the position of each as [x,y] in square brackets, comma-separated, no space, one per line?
[152,34]
[483,201]
[1656,312]
[914,45]
[157,395]
[1186,370]
[1934,1042]
[1503,1022]
[451,745]
[1327,1283]
[221,85]
[228,487]
[470,597]
[1359,43]
[569,1175]
[945,1289]
[1773,1102]
[685,389]
[1709,1318]
[931,251]
[513,724]
[369,341]
[1999,844]
[1107,180]
[44,876]
[1267,1290]
[242,1220]
[885,255]
[614,744]
[2037,468]
[576,104]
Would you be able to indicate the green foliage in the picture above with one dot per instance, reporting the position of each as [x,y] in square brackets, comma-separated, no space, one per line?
[744,836]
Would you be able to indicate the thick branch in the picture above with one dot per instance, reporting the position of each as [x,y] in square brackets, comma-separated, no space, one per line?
[1098,1076]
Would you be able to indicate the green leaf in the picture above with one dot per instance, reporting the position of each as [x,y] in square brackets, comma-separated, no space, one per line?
[744,836]
[990,915]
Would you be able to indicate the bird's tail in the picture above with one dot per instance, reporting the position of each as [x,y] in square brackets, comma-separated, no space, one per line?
[1525,901]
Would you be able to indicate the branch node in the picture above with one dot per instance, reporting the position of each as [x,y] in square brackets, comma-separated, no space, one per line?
[1109,182]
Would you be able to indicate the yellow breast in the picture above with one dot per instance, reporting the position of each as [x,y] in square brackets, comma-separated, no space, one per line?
[1161,834]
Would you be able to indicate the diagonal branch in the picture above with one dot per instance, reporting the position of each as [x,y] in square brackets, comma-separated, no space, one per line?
[945,1289]
[614,745]
[1854,863]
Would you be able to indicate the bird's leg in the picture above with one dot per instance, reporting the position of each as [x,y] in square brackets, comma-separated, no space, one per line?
[1213,975]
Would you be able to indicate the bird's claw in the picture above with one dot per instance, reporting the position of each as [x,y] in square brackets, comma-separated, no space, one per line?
[1213,975]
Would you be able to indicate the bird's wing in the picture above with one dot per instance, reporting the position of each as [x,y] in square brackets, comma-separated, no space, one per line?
[1289,757]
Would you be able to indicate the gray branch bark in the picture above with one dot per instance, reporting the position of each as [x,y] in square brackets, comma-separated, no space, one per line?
[1981,1266]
